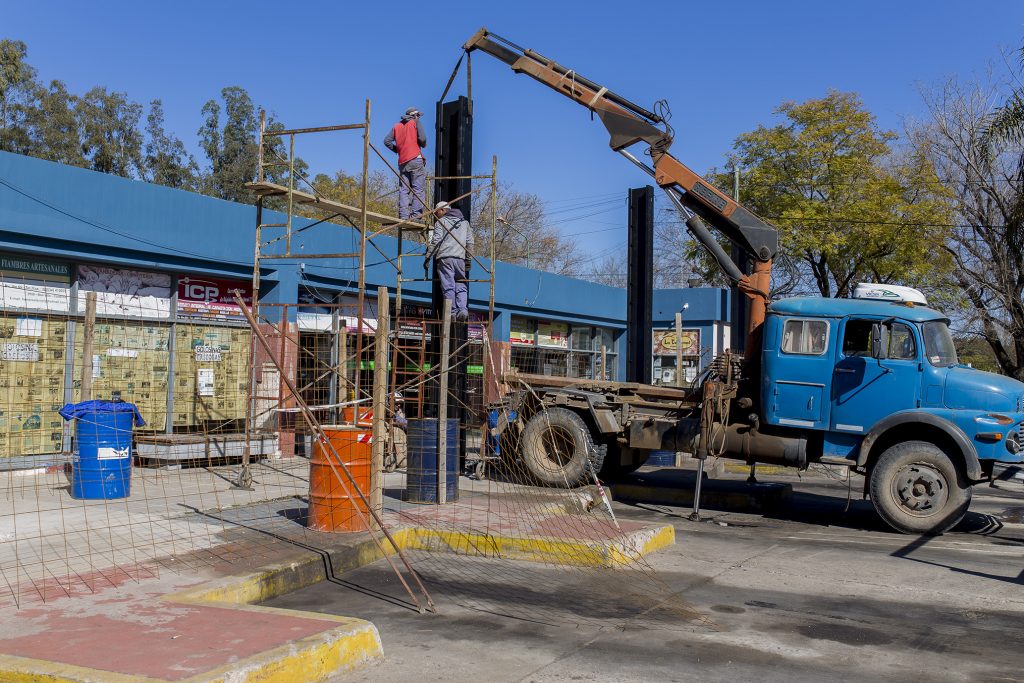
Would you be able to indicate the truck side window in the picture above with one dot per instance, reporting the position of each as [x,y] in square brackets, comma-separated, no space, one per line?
[805,337]
[857,340]
[901,343]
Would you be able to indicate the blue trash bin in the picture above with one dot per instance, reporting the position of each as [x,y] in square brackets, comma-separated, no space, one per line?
[102,465]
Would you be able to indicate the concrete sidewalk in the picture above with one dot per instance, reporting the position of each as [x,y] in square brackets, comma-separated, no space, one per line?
[185,611]
[168,628]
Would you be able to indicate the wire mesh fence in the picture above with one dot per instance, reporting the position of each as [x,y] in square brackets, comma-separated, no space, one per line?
[294,429]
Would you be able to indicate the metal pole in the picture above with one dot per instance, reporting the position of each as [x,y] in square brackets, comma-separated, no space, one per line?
[380,386]
[362,253]
[442,407]
[695,515]
[494,220]
[291,195]
[604,362]
[333,384]
[679,349]
[88,333]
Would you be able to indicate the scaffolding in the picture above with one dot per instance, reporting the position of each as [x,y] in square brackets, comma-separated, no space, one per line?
[294,192]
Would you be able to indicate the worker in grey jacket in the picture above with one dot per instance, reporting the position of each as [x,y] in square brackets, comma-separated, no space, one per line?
[451,249]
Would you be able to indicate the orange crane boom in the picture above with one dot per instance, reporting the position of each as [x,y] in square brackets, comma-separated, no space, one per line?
[629,124]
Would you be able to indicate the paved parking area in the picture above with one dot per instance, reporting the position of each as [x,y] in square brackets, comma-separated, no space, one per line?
[811,591]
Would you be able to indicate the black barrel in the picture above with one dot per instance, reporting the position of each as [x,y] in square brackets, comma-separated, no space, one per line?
[421,461]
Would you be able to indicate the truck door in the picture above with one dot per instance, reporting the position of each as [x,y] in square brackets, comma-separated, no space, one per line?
[799,372]
[864,389]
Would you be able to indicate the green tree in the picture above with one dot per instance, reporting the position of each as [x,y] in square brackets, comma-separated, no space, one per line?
[847,208]
[167,161]
[231,145]
[17,93]
[55,128]
[111,137]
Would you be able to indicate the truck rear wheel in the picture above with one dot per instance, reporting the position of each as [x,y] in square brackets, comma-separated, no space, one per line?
[917,489]
[556,445]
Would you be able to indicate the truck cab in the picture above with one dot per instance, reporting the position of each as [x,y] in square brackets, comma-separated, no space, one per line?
[874,382]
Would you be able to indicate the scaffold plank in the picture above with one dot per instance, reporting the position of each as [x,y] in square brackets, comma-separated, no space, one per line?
[268,189]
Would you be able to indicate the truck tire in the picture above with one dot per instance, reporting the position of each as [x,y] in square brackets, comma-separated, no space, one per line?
[556,445]
[917,489]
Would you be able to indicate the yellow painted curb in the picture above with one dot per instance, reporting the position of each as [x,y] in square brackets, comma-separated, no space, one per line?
[540,549]
[15,669]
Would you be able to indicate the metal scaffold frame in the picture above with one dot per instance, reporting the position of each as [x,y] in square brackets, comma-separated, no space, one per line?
[360,218]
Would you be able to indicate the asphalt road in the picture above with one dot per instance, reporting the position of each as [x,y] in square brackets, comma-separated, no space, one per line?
[813,592]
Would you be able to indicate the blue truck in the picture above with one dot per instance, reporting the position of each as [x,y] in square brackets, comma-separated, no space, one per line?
[872,383]
[868,383]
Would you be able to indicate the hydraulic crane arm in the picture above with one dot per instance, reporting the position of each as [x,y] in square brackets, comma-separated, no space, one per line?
[628,124]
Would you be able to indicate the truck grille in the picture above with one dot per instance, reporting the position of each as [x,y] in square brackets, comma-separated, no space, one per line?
[1020,403]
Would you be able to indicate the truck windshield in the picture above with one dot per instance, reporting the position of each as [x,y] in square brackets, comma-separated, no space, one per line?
[938,344]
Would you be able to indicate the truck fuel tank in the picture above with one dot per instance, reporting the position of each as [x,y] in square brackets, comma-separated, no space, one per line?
[740,442]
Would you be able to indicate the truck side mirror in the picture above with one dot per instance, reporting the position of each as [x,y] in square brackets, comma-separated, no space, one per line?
[879,341]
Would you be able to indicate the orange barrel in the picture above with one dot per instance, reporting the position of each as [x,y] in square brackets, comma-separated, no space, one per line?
[365,415]
[331,508]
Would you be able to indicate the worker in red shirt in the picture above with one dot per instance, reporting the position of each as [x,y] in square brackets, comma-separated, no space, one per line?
[408,138]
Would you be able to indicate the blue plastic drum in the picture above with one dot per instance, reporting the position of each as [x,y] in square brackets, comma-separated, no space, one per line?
[661,459]
[102,466]
[421,461]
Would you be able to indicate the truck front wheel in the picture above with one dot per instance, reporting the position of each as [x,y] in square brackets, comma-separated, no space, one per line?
[917,489]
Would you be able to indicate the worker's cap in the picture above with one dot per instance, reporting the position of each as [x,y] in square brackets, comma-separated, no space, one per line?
[441,205]
[413,111]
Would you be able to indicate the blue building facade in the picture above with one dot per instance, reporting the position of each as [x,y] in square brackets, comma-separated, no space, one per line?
[65,230]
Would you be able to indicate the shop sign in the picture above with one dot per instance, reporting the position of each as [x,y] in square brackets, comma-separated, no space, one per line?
[665,342]
[19,352]
[553,335]
[207,354]
[211,297]
[22,288]
[35,268]
[124,292]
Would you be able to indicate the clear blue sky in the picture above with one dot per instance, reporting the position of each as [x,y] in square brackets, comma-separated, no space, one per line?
[722,66]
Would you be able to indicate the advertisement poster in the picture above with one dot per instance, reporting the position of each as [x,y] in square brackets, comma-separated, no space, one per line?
[553,335]
[211,298]
[522,332]
[204,382]
[665,342]
[126,292]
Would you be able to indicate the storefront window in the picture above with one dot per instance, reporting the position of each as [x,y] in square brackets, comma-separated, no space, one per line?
[559,349]
[666,347]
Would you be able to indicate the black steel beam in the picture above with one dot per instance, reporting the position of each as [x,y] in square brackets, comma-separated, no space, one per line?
[640,285]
